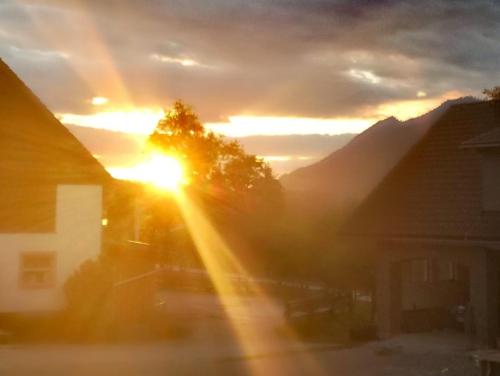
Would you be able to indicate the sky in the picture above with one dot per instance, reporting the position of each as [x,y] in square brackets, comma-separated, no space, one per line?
[287,71]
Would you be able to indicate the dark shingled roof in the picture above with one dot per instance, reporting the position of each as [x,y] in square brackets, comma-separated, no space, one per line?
[435,190]
[34,144]
[484,140]
[36,154]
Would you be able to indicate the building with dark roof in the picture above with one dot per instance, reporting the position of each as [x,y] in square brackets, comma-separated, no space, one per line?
[50,201]
[435,224]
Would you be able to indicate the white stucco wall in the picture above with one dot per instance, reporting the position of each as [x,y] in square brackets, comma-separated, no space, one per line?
[76,239]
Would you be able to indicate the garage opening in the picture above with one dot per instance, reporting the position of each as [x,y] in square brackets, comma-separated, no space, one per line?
[435,295]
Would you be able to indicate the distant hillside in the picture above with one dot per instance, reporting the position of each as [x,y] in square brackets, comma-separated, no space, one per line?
[293,151]
[348,175]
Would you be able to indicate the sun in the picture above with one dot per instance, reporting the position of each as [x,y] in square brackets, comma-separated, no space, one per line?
[163,171]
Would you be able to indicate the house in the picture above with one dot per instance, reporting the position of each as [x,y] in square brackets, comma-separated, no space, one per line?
[434,225]
[51,191]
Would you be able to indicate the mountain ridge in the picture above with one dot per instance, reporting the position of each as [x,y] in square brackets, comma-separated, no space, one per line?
[352,172]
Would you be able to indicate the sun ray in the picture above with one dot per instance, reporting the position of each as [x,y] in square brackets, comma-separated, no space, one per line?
[94,45]
[218,260]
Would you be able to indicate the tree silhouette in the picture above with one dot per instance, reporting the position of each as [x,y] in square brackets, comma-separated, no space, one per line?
[212,162]
[493,93]
[237,190]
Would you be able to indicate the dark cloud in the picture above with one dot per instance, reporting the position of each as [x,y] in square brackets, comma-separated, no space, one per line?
[281,57]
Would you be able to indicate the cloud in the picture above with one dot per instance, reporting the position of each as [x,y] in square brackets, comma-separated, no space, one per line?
[38,55]
[365,76]
[185,62]
[279,57]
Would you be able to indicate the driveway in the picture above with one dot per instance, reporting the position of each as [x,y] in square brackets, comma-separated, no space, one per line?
[238,337]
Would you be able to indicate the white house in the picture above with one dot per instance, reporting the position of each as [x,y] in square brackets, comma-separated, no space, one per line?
[51,191]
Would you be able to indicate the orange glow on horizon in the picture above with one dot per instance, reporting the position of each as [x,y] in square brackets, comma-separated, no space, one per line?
[160,170]
[250,125]
[140,121]
[143,120]
[404,110]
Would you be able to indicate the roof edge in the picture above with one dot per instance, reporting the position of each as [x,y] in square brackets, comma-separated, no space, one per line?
[101,173]
[431,239]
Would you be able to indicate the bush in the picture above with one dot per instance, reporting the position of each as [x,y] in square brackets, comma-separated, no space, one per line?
[100,310]
[29,327]
[88,291]
[363,331]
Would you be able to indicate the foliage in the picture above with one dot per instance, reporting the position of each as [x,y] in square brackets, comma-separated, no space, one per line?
[92,282]
[493,93]
[306,248]
[212,163]
[236,190]
[246,205]
[99,309]
[346,328]
[88,293]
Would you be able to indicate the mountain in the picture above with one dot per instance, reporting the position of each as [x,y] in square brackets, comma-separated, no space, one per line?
[348,175]
[289,152]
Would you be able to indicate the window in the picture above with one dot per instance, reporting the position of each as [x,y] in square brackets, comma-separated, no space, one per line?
[37,269]
[450,272]
[491,181]
[420,270]
[454,271]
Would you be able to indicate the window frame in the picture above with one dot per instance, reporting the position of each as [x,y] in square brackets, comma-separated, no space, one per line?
[490,177]
[455,272]
[50,269]
[426,266]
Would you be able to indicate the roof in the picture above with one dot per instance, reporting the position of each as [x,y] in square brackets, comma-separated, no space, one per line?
[490,139]
[36,154]
[435,190]
[34,144]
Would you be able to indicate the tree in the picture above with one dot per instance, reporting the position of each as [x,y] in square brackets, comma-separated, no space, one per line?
[237,190]
[493,93]
[212,163]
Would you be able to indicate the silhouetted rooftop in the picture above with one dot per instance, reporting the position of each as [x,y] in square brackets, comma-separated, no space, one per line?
[485,140]
[36,154]
[435,190]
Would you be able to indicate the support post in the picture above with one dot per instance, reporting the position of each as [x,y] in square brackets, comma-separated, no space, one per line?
[484,297]
[388,298]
